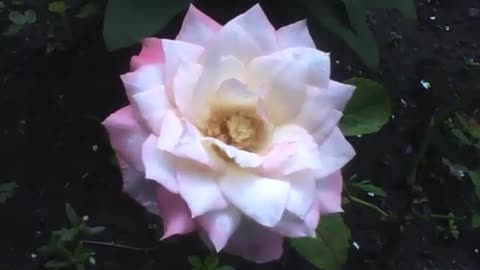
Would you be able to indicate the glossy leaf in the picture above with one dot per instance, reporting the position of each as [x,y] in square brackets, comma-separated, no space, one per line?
[476,221]
[330,249]
[128,21]
[368,110]
[368,187]
[72,216]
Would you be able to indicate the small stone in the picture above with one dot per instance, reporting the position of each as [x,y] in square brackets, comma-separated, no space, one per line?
[91,260]
[359,136]
[426,84]
[337,62]
[356,245]
[94,148]
[371,194]
[85,218]
[433,18]
[393,116]
[476,250]
[472,12]
[33,255]
[447,28]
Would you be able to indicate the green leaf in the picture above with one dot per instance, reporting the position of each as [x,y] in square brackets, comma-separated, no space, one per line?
[368,110]
[211,262]
[405,7]
[17,17]
[475,177]
[7,190]
[350,25]
[461,136]
[195,261]
[67,235]
[57,7]
[330,249]
[72,216]
[56,264]
[368,187]
[127,21]
[472,127]
[476,221]
[87,10]
[31,16]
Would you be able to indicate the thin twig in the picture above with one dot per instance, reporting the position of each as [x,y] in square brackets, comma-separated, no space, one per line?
[365,203]
[116,245]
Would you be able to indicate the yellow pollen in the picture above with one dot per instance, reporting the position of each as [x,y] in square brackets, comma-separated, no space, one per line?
[242,129]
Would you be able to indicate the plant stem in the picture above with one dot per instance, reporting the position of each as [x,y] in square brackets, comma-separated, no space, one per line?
[116,245]
[365,203]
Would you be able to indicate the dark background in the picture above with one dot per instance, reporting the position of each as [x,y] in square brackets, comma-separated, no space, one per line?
[51,106]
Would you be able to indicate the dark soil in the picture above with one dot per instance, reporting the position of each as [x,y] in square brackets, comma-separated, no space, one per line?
[51,107]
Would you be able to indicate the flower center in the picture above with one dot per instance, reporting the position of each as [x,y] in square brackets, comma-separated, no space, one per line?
[240,128]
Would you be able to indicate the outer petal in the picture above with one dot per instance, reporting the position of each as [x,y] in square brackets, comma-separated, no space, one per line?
[340,94]
[292,226]
[151,53]
[294,35]
[301,194]
[159,165]
[174,212]
[303,152]
[329,193]
[286,75]
[334,153]
[184,84]
[316,110]
[220,225]
[197,27]
[152,106]
[126,136]
[255,243]
[262,199]
[177,52]
[256,24]
[143,79]
[329,124]
[199,188]
[140,189]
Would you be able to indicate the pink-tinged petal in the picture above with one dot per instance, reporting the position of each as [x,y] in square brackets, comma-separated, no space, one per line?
[301,194]
[334,153]
[175,214]
[152,106]
[303,155]
[180,138]
[262,199]
[159,165]
[255,243]
[329,193]
[199,188]
[256,24]
[329,124]
[292,226]
[184,84]
[151,53]
[294,35]
[315,111]
[243,159]
[340,94]
[216,70]
[143,79]
[172,129]
[278,154]
[140,189]
[126,136]
[312,217]
[197,27]
[220,225]
[177,52]
[234,93]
